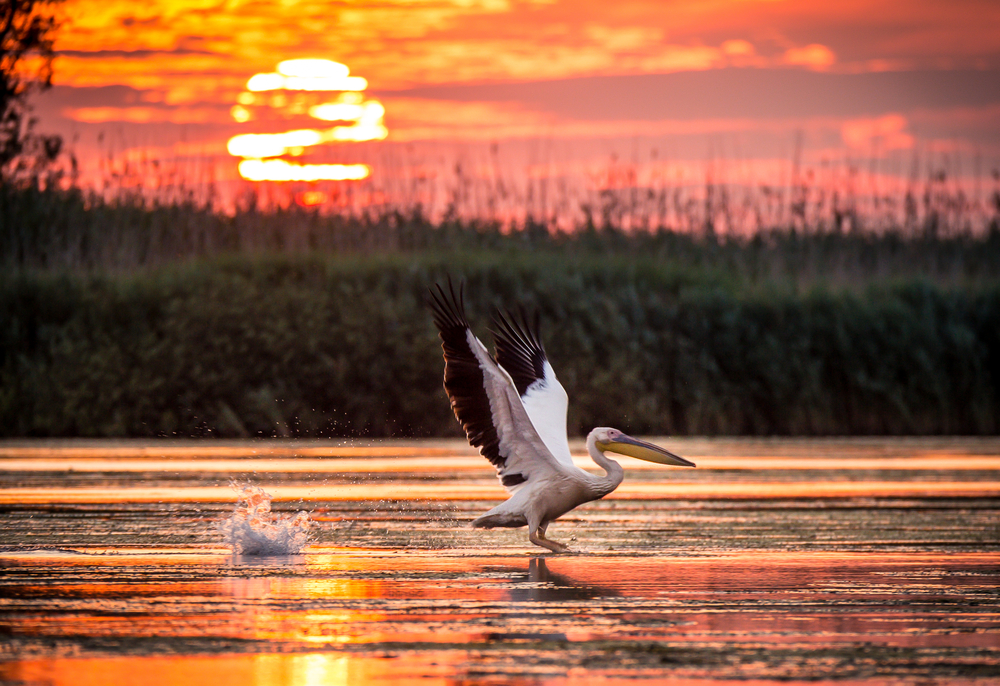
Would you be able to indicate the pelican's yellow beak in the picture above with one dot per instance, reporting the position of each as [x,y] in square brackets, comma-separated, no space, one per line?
[633,447]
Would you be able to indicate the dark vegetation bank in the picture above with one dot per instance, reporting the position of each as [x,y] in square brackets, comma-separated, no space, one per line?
[311,345]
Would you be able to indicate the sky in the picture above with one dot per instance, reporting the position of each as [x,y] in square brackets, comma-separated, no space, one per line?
[751,89]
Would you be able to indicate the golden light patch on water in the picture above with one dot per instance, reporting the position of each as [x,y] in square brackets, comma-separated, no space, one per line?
[812,489]
[285,465]
[398,459]
[100,555]
[458,491]
[268,449]
[210,494]
[606,565]
[936,461]
[310,669]
[806,562]
[516,613]
[724,452]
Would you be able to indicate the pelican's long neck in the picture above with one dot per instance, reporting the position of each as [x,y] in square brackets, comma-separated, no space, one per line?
[614,472]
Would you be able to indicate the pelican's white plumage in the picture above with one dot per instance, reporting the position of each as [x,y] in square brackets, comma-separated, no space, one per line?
[513,409]
[546,403]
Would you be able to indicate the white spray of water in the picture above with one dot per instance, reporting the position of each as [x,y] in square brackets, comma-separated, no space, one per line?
[255,530]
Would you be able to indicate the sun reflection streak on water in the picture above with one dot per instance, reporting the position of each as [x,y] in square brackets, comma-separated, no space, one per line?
[489,490]
[310,669]
[734,581]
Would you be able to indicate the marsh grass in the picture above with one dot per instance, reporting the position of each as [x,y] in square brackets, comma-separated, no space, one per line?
[131,316]
[301,345]
[53,229]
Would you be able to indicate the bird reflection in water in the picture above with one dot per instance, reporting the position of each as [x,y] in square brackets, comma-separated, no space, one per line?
[542,584]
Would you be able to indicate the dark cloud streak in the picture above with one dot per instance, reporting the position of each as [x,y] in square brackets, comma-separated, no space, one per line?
[131,54]
[733,93]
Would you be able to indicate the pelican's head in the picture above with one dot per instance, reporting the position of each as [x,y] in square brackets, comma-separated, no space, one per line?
[608,439]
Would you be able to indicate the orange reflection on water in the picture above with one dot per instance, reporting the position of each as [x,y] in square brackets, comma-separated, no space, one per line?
[210,494]
[440,457]
[810,489]
[727,601]
[310,669]
[198,449]
[505,609]
[453,490]
[399,455]
[301,465]
[767,599]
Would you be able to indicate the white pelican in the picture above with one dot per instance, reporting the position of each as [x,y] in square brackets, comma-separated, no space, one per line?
[514,410]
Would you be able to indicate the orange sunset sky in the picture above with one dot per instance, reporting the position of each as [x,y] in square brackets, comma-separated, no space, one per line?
[564,83]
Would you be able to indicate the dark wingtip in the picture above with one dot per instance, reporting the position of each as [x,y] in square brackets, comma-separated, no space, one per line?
[448,307]
[519,347]
[519,327]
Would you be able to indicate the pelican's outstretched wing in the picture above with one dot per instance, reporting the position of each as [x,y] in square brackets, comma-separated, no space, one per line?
[519,351]
[485,400]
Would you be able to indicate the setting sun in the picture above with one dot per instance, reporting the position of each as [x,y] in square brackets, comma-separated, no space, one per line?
[320,89]
[748,94]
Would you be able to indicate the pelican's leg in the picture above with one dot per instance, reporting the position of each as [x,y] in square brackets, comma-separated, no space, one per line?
[537,536]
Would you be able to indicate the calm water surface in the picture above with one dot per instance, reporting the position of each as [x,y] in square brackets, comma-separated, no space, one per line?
[853,561]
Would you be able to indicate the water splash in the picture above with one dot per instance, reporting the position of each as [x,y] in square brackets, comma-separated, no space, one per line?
[255,530]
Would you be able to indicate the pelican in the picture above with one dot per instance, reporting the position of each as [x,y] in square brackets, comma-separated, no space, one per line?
[513,409]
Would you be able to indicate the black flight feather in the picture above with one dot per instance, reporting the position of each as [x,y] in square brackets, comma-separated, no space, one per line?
[463,378]
[519,349]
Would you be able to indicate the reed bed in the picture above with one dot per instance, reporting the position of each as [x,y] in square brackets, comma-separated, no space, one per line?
[75,230]
[126,315]
[338,346]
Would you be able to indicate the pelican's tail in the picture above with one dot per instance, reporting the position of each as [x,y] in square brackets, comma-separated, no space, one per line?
[493,520]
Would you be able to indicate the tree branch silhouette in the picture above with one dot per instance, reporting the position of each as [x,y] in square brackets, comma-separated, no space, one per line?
[27,36]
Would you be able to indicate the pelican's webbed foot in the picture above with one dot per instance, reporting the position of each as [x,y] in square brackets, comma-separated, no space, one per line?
[538,538]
